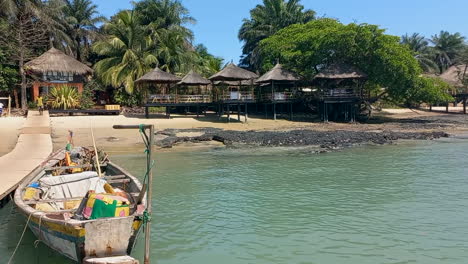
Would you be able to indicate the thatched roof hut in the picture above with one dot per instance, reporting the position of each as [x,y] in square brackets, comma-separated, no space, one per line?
[55,60]
[340,71]
[278,73]
[193,78]
[234,83]
[157,76]
[455,75]
[233,73]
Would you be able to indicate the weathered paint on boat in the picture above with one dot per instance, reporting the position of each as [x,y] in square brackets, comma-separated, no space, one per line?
[114,237]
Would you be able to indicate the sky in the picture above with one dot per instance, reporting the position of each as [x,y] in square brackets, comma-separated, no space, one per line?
[218,21]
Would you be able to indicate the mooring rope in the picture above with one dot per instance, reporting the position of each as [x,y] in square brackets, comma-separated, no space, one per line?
[36,243]
[21,238]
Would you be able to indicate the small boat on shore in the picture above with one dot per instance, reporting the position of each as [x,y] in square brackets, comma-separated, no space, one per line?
[80,209]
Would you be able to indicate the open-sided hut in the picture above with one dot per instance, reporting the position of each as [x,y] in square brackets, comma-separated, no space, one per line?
[457,76]
[198,95]
[340,87]
[278,84]
[235,74]
[161,82]
[55,68]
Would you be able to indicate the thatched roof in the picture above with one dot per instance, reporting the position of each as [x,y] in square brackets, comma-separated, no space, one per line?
[55,60]
[158,76]
[340,71]
[278,73]
[235,83]
[233,73]
[193,78]
[454,75]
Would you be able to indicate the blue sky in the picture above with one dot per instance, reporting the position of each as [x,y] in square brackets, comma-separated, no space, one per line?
[218,21]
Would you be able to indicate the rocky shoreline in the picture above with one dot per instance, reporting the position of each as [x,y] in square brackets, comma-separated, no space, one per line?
[324,140]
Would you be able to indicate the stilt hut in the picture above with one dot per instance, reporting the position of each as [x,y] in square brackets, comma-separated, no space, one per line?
[230,95]
[55,68]
[457,76]
[163,83]
[196,89]
[278,86]
[340,92]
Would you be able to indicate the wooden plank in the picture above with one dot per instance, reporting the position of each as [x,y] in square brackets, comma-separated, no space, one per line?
[119,181]
[73,167]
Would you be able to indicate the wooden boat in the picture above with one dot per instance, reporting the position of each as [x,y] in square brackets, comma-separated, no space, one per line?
[54,199]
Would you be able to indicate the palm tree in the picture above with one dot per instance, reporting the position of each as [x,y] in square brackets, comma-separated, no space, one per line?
[165,22]
[447,47]
[127,51]
[265,20]
[208,64]
[422,52]
[82,16]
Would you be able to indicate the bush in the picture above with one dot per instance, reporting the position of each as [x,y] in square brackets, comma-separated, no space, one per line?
[123,98]
[64,97]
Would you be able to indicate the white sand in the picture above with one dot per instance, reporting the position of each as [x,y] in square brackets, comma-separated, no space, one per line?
[10,127]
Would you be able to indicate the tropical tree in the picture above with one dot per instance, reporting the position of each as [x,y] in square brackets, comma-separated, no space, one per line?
[308,47]
[208,64]
[447,47]
[165,21]
[127,52]
[23,34]
[422,51]
[265,20]
[82,17]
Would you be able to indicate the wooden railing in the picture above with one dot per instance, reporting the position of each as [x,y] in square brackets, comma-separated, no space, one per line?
[339,93]
[238,96]
[172,98]
[278,96]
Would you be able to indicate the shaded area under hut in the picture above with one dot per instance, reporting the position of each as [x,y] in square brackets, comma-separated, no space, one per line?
[54,68]
[340,92]
[278,86]
[227,95]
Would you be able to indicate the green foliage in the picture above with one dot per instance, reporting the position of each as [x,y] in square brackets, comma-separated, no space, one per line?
[208,64]
[9,76]
[127,52]
[423,53]
[64,97]
[446,48]
[121,97]
[88,95]
[265,20]
[430,90]
[306,48]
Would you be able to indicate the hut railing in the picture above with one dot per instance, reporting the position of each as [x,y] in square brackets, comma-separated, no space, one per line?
[173,98]
[339,93]
[278,96]
[238,96]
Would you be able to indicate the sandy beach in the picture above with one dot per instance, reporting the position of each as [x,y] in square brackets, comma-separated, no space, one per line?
[10,127]
[397,120]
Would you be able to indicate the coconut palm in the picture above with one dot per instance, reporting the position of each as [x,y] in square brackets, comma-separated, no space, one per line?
[265,20]
[164,21]
[447,47]
[127,51]
[422,52]
[82,16]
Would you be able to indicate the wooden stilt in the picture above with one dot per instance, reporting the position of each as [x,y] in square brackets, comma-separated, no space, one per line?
[447,107]
[198,110]
[464,105]
[238,112]
[246,112]
[146,112]
[274,111]
[291,111]
[228,113]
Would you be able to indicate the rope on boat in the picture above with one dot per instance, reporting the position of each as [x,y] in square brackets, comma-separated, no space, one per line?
[36,243]
[21,238]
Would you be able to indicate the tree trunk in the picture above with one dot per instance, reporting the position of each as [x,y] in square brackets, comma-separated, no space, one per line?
[15,95]
[78,51]
[24,98]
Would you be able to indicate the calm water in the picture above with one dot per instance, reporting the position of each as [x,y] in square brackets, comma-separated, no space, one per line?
[403,203]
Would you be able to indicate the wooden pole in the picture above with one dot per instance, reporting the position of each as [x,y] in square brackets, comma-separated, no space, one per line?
[96,154]
[149,196]
[464,105]
[9,106]
[150,184]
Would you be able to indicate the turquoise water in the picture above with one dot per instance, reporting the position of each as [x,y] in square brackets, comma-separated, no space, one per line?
[404,203]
